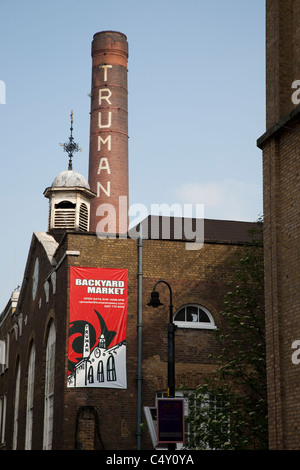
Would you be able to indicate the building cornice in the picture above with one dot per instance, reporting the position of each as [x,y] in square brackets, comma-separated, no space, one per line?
[281,126]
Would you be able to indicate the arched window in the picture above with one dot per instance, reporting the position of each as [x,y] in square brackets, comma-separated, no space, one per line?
[194,316]
[49,389]
[83,218]
[64,216]
[29,404]
[16,410]
[65,205]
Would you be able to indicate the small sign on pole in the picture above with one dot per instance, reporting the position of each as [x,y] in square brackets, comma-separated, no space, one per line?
[170,420]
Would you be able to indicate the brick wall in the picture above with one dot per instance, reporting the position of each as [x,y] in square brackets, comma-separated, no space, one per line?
[281,180]
[107,418]
[195,276]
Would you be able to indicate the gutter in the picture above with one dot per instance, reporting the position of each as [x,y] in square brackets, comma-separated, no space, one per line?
[139,331]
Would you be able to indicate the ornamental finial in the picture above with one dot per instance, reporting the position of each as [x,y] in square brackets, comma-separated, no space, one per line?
[70,147]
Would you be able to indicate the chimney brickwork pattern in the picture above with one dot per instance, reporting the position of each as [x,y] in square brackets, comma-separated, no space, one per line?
[108,158]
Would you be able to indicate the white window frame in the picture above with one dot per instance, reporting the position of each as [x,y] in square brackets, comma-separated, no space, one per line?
[30,398]
[16,409]
[7,350]
[4,353]
[208,403]
[3,401]
[196,324]
[49,389]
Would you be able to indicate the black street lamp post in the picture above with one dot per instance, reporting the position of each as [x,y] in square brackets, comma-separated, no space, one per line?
[155,302]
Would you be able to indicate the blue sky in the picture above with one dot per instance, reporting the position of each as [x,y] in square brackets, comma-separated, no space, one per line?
[196,80]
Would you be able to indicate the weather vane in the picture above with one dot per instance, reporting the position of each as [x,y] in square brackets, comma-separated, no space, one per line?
[70,147]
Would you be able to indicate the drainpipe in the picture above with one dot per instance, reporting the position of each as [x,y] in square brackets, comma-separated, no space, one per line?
[139,332]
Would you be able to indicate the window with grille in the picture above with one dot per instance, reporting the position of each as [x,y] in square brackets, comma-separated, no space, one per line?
[194,316]
[64,216]
[206,411]
[208,406]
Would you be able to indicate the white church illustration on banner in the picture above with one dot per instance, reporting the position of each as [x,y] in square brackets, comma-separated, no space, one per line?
[100,367]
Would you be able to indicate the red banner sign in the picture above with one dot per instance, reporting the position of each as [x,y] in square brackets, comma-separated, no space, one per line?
[97,328]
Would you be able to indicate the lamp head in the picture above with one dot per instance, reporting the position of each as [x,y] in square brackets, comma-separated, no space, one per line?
[154,300]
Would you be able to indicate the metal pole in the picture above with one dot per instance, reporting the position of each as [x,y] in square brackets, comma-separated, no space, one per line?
[140,339]
[171,352]
[171,359]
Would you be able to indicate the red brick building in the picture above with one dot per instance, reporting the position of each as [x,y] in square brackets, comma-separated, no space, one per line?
[281,181]
[39,410]
[111,415]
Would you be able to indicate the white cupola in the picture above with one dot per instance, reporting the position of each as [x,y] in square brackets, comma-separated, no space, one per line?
[69,202]
[69,196]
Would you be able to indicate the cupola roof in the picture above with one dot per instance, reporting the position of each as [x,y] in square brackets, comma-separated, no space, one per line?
[70,178]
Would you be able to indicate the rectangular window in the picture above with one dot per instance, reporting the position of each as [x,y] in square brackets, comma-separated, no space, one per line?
[6,351]
[207,408]
[2,356]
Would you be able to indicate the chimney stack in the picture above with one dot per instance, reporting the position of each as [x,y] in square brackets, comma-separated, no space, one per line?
[108,158]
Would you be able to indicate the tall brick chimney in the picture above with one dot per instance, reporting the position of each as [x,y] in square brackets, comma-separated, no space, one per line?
[108,158]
